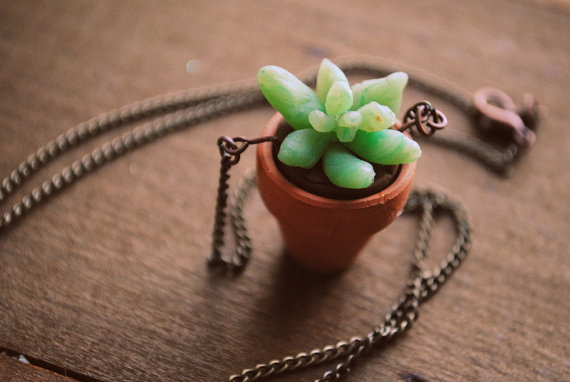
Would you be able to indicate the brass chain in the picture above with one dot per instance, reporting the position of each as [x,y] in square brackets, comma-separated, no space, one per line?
[230,152]
[401,317]
[181,111]
[175,112]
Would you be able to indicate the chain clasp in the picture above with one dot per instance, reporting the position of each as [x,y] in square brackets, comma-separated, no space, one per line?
[496,110]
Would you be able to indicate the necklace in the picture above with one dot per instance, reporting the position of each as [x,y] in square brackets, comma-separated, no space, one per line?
[491,108]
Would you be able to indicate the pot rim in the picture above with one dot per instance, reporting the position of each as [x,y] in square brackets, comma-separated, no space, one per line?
[266,160]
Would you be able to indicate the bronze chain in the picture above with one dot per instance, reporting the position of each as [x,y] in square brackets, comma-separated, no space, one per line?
[174,112]
[230,152]
[401,317]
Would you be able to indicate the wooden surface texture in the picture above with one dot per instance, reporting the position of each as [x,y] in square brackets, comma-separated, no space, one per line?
[109,280]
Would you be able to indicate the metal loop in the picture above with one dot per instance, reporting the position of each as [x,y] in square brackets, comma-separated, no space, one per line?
[229,146]
[496,110]
[425,118]
[230,151]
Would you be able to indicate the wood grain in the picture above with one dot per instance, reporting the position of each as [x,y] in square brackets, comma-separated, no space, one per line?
[12,370]
[109,278]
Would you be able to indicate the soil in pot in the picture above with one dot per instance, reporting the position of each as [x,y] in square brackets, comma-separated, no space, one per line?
[315,181]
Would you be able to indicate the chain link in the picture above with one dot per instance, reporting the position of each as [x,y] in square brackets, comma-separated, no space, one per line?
[230,152]
[401,317]
[113,119]
[209,108]
[180,110]
[500,162]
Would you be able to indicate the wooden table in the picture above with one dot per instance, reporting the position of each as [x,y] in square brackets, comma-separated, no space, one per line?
[108,280]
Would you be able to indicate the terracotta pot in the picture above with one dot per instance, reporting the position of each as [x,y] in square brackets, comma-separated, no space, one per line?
[322,234]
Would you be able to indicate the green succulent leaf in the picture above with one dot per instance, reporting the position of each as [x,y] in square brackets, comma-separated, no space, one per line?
[303,148]
[321,122]
[346,170]
[346,127]
[376,117]
[348,123]
[386,91]
[385,147]
[288,95]
[339,98]
[328,74]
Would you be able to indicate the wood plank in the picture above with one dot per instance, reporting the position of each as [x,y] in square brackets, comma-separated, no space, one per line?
[109,278]
[12,370]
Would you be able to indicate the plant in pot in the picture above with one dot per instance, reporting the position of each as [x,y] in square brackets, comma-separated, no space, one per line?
[341,171]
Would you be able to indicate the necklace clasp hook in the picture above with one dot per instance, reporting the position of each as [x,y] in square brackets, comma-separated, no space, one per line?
[496,109]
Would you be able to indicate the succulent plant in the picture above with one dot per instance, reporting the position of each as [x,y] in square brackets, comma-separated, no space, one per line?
[347,127]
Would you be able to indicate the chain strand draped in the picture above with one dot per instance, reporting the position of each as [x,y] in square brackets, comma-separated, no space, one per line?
[401,317]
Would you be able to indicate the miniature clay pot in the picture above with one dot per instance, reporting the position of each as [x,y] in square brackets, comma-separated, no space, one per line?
[322,234]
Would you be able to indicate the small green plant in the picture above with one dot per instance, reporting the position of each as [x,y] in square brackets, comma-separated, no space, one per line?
[347,127]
